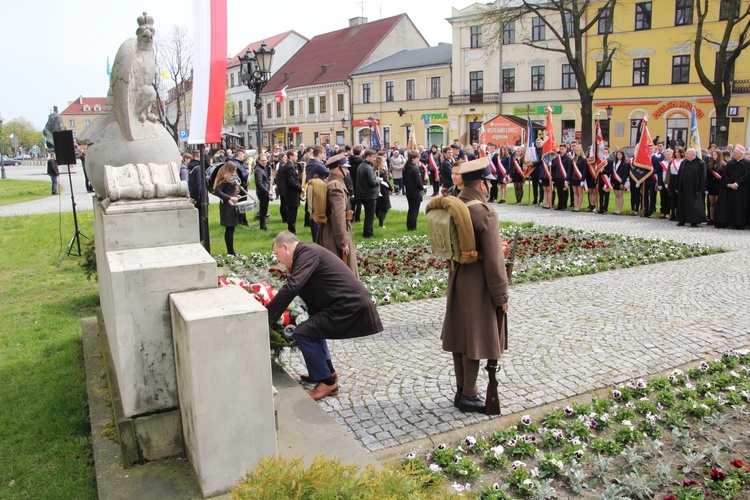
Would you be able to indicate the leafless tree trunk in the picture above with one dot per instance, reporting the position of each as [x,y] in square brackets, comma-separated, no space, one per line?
[719,84]
[562,18]
[173,78]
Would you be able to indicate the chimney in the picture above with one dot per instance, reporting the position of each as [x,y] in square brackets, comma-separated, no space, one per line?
[357,21]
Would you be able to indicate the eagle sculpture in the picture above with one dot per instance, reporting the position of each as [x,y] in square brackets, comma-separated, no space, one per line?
[131,94]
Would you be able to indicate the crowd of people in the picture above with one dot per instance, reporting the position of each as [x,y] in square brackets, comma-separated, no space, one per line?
[686,186]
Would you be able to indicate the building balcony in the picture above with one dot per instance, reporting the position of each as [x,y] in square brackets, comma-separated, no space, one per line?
[239,120]
[741,87]
[464,99]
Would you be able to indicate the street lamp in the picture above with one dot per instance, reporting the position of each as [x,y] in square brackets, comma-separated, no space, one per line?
[255,73]
[609,109]
[2,160]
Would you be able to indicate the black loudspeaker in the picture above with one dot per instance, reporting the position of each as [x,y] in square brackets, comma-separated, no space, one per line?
[64,148]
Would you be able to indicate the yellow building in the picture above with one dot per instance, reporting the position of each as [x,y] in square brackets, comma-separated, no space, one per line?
[80,113]
[653,73]
[406,93]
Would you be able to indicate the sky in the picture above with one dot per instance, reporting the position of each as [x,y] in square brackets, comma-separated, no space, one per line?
[54,51]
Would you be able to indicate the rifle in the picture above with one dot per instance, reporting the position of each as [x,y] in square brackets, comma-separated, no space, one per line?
[492,403]
[512,261]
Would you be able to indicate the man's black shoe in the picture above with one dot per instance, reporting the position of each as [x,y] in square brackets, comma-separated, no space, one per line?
[457,398]
[471,404]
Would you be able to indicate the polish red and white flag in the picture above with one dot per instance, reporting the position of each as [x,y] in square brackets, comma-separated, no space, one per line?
[209,71]
[281,94]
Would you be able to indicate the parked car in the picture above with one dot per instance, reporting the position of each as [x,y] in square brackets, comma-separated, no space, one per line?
[23,157]
[629,152]
[10,161]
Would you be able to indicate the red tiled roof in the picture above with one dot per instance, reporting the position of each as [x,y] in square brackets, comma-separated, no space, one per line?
[271,42]
[76,107]
[340,51]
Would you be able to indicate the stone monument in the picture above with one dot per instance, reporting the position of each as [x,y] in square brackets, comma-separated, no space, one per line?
[148,249]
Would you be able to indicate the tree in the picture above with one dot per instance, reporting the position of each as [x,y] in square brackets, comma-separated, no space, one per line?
[25,134]
[719,85]
[562,18]
[174,77]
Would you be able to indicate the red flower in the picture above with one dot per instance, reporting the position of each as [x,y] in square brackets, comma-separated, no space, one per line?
[718,475]
[690,482]
[670,497]
[737,463]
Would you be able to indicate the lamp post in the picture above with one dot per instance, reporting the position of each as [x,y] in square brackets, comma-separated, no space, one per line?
[256,71]
[609,109]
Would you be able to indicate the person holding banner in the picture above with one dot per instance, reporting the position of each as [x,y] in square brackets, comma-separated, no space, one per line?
[578,179]
[713,182]
[517,174]
[691,183]
[494,156]
[661,178]
[605,184]
[561,170]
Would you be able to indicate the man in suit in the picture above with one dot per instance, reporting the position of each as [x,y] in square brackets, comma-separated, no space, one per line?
[561,167]
[53,170]
[292,188]
[446,166]
[339,305]
[367,190]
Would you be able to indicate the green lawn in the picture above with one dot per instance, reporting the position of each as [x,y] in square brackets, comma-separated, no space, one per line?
[15,191]
[45,448]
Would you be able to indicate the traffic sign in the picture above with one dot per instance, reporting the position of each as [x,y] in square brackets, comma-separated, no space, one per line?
[183,134]
[733,111]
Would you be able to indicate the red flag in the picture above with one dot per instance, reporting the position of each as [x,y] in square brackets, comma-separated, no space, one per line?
[281,94]
[643,151]
[549,146]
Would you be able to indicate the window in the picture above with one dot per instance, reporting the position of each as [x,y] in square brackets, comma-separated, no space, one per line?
[683,12]
[725,9]
[537,78]
[231,79]
[310,105]
[509,80]
[434,87]
[278,110]
[291,107]
[605,21]
[643,16]
[509,33]
[568,77]
[607,79]
[71,123]
[249,104]
[366,93]
[86,123]
[569,26]
[681,69]
[411,89]
[476,82]
[269,111]
[97,107]
[323,103]
[476,37]
[538,32]
[340,102]
[640,71]
[389,97]
[86,107]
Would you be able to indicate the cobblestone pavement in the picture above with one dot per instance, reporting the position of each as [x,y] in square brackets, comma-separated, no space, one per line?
[567,336]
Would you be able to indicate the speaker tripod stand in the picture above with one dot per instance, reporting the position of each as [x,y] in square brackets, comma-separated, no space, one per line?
[76,239]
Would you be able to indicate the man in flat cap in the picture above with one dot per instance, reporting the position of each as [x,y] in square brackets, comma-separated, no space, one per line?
[477,293]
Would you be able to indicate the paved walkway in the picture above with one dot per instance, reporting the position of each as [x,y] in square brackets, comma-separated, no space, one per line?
[567,336]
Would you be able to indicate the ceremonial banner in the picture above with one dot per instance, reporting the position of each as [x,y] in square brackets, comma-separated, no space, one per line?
[549,146]
[209,71]
[530,155]
[694,141]
[642,166]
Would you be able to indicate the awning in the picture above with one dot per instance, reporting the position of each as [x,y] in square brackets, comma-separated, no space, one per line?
[408,125]
[230,134]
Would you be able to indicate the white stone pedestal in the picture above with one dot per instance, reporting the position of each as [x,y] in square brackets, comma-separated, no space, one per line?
[146,250]
[224,375]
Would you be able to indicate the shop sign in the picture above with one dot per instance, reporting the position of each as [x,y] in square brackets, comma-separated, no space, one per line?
[293,130]
[435,117]
[535,110]
[676,104]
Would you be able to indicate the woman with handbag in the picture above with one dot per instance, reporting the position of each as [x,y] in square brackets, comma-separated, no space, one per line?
[226,187]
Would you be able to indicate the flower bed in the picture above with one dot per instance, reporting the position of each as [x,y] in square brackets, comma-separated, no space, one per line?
[404,269]
[683,436]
